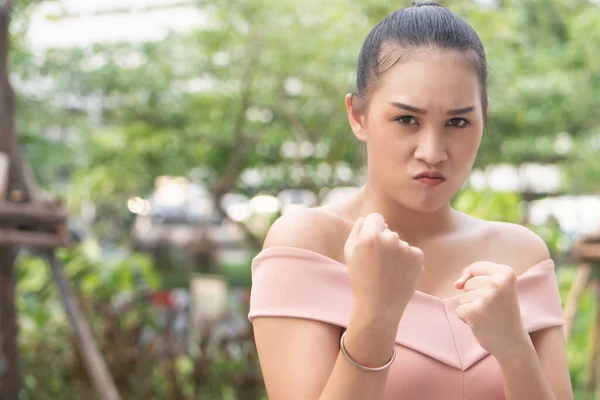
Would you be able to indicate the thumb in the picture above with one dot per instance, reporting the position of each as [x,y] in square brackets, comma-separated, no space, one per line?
[373,224]
[356,228]
[460,282]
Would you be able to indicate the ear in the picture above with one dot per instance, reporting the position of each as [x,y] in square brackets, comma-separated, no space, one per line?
[355,116]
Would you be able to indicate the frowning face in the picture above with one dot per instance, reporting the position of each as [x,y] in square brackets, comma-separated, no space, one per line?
[423,125]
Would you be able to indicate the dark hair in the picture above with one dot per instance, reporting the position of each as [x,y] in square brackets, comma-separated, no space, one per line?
[426,24]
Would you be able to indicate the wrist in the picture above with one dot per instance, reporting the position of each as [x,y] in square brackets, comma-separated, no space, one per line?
[367,314]
[517,352]
[374,324]
[370,344]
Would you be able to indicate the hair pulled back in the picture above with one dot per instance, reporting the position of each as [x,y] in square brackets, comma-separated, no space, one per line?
[422,25]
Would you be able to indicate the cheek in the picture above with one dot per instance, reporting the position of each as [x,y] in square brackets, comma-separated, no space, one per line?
[471,137]
[380,135]
[465,150]
[391,146]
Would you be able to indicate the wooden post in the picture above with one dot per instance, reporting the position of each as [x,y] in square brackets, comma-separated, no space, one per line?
[39,225]
[83,336]
[10,372]
[586,253]
[4,168]
[10,375]
[580,282]
[592,360]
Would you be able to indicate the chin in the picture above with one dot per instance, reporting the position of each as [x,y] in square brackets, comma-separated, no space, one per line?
[427,208]
[425,205]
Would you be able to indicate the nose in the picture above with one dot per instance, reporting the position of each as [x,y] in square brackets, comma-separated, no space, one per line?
[431,148]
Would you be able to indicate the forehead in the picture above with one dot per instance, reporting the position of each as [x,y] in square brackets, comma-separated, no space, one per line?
[430,77]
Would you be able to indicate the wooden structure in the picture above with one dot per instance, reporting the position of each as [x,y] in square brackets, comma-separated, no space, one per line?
[29,220]
[586,254]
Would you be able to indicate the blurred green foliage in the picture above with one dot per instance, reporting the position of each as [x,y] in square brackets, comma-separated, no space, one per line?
[221,100]
[490,205]
[578,346]
[215,102]
[129,330]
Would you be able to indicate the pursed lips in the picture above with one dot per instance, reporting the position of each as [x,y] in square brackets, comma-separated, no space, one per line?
[430,178]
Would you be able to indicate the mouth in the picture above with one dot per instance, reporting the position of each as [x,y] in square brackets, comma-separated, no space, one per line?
[430,178]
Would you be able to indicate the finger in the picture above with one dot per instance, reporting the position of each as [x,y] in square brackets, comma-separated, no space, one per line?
[466,274]
[462,311]
[356,228]
[390,236]
[472,296]
[374,224]
[483,268]
[417,252]
[476,282]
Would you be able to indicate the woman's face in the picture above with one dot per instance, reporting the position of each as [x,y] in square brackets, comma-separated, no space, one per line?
[423,126]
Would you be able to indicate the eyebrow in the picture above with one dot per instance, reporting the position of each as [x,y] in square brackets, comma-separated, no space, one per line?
[406,107]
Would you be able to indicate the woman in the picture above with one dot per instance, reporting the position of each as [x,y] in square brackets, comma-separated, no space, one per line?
[392,294]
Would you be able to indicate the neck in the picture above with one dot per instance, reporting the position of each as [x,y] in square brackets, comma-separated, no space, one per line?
[412,226]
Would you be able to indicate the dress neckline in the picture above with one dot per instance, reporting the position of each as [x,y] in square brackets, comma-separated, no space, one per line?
[418,293]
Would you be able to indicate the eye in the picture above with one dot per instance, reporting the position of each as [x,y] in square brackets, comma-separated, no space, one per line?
[407,120]
[457,123]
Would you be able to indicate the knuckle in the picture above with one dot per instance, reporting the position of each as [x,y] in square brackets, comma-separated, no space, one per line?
[403,245]
[476,311]
[504,281]
[372,239]
[511,276]
[497,283]
[465,313]
[417,252]
[403,248]
[390,236]
[479,306]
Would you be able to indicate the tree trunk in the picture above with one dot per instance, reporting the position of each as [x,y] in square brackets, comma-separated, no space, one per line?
[10,375]
[17,183]
[90,354]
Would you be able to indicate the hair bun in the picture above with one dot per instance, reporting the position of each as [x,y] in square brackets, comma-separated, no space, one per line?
[425,3]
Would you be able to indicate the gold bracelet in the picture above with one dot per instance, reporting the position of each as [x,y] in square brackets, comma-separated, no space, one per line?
[362,367]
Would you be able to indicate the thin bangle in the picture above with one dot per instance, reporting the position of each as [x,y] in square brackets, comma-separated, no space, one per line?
[362,367]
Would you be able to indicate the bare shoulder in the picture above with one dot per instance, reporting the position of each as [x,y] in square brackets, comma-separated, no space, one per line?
[516,245]
[311,229]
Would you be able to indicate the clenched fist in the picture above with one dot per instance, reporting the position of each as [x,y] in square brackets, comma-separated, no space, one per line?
[383,269]
[490,306]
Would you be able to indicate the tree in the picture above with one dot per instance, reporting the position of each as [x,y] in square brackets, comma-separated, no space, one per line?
[100,124]
[225,98]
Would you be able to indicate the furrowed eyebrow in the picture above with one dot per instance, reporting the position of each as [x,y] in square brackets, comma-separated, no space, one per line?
[459,111]
[406,107]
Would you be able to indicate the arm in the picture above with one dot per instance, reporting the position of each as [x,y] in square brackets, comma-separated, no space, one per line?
[533,367]
[301,358]
[538,369]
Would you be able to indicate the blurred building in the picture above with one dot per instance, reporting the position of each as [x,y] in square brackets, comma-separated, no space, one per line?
[181,214]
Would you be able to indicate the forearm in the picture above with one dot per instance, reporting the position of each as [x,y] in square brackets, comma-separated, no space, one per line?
[523,375]
[370,345]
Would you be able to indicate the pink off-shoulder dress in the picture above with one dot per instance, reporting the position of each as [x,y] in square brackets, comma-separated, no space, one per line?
[438,358]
